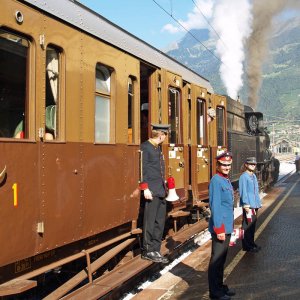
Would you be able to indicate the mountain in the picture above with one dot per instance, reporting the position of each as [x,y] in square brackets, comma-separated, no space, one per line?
[280,91]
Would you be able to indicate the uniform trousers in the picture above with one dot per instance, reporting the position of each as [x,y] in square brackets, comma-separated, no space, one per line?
[249,230]
[154,223]
[217,261]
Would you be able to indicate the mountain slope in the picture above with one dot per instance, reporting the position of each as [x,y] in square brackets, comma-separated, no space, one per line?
[280,91]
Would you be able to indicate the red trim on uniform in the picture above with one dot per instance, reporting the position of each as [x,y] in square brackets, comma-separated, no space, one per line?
[143,186]
[219,229]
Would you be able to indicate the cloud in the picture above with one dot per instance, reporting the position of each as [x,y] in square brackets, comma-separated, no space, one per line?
[171,29]
[195,19]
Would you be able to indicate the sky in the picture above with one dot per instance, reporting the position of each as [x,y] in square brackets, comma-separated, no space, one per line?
[146,20]
[233,24]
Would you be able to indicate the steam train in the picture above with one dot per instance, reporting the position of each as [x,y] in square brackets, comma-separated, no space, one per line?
[77,97]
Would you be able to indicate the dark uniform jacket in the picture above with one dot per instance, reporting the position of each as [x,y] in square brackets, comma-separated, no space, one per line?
[153,169]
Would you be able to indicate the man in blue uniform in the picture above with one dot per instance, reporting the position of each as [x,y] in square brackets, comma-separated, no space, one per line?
[221,203]
[154,192]
[250,202]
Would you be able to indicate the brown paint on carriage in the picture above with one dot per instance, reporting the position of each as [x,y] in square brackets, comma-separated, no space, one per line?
[55,178]
[73,192]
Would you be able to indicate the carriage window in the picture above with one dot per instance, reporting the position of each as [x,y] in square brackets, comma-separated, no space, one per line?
[201,125]
[103,104]
[189,102]
[14,56]
[174,116]
[220,126]
[131,127]
[52,93]
[159,99]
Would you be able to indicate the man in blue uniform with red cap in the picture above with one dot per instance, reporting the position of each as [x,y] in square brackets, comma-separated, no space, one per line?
[221,201]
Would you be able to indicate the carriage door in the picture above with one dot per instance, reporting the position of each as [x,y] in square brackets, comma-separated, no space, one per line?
[221,129]
[148,91]
[217,128]
[202,151]
[176,167]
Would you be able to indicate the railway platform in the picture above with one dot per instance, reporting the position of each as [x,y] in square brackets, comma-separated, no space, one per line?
[272,273]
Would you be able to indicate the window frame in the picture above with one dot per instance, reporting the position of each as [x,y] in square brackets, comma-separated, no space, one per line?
[29,106]
[218,108]
[106,95]
[60,110]
[205,127]
[178,112]
[134,118]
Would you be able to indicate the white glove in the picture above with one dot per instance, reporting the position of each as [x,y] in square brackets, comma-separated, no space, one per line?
[148,194]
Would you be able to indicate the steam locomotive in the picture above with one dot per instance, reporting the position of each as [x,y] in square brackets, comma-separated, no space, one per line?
[77,97]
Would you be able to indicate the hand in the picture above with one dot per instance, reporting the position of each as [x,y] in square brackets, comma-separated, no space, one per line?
[148,194]
[221,236]
[247,209]
[135,193]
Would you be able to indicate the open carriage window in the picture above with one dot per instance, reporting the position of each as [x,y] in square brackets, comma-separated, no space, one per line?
[221,133]
[14,56]
[103,104]
[131,110]
[52,93]
[201,124]
[175,116]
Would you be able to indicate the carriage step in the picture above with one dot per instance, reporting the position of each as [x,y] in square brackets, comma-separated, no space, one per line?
[179,213]
[16,286]
[202,204]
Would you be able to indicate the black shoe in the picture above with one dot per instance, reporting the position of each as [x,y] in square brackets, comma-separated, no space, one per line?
[164,260]
[257,247]
[224,297]
[152,256]
[252,250]
[230,292]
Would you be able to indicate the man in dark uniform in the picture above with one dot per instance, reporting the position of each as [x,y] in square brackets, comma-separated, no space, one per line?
[221,202]
[154,191]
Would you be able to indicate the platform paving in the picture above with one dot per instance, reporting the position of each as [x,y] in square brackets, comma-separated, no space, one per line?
[273,273]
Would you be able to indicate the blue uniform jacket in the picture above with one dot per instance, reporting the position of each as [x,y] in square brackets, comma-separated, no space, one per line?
[249,191]
[221,205]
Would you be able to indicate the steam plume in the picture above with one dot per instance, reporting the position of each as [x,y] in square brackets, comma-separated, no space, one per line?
[232,20]
[263,12]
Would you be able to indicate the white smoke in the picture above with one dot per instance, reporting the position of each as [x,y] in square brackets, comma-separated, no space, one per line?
[232,21]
